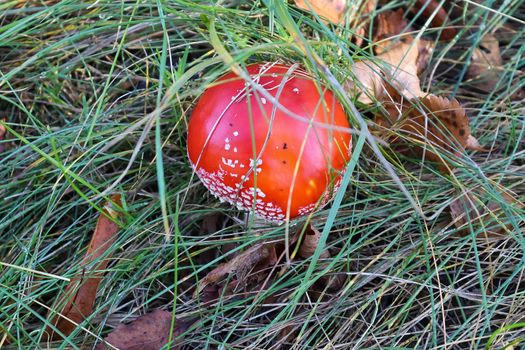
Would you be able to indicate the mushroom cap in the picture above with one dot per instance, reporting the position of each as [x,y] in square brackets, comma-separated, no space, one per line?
[253,154]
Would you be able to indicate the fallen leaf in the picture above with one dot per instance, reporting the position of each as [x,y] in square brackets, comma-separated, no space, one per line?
[248,271]
[401,68]
[310,242]
[388,26]
[241,264]
[486,65]
[366,82]
[425,51]
[148,332]
[434,9]
[81,291]
[426,127]
[414,122]
[332,10]
[210,293]
[484,215]
[398,67]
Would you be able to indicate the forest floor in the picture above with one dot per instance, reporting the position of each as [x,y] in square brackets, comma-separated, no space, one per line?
[95,100]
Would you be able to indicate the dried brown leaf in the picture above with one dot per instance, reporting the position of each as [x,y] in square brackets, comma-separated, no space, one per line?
[485,215]
[486,65]
[366,82]
[263,253]
[310,242]
[425,51]
[388,25]
[426,127]
[399,67]
[81,291]
[148,332]
[433,9]
[332,10]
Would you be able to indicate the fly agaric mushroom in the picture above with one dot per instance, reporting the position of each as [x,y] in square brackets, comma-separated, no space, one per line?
[276,156]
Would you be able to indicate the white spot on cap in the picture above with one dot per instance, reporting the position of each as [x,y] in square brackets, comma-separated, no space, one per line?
[227,146]
[307,209]
[235,133]
[235,149]
[257,190]
[263,100]
[296,90]
[244,198]
[259,162]
[230,162]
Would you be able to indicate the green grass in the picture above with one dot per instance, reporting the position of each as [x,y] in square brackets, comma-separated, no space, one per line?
[97,97]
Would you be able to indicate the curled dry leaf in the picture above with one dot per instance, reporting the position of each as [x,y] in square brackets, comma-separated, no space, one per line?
[263,253]
[486,65]
[148,332]
[332,10]
[310,242]
[485,216]
[81,291]
[426,127]
[398,66]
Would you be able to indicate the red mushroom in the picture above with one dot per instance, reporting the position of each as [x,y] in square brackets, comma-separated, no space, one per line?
[278,159]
